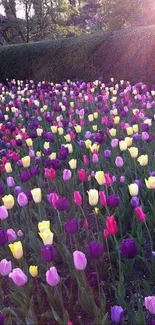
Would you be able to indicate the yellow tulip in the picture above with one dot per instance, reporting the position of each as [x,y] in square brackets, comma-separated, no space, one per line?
[115,111]
[128,141]
[78,129]
[26,161]
[150,183]
[133,152]
[95,115]
[148,121]
[129,130]
[38,153]
[8,201]
[67,137]
[16,250]
[112,132]
[46,145]
[90,117]
[43,225]
[135,128]
[94,127]
[70,147]
[72,104]
[93,197]
[96,210]
[39,132]
[99,176]
[113,99]
[46,236]
[54,129]
[8,167]
[60,131]
[29,142]
[53,155]
[143,160]
[18,136]
[133,189]
[88,143]
[73,163]
[37,195]
[33,270]
[122,145]
[95,147]
[116,120]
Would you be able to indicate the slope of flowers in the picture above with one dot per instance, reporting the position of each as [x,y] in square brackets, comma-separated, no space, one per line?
[77,203]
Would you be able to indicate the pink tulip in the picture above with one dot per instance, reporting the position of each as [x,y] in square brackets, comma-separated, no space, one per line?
[5,267]
[95,158]
[141,216]
[108,179]
[149,303]
[77,198]
[10,181]
[67,174]
[114,143]
[11,235]
[105,233]
[3,212]
[22,199]
[18,277]
[55,198]
[85,160]
[102,196]
[119,161]
[20,233]
[80,261]
[52,277]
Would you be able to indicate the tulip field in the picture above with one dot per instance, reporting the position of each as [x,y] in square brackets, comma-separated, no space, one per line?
[77,203]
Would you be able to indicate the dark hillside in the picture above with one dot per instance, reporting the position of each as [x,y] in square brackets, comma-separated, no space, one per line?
[127,54]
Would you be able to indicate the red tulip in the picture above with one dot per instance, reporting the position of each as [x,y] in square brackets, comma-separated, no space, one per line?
[85,223]
[111,225]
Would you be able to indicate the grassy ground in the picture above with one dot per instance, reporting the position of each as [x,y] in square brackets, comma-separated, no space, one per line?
[127,54]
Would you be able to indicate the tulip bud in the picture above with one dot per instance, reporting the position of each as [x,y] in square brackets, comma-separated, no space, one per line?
[46,236]
[73,164]
[77,198]
[3,212]
[22,199]
[128,248]
[8,168]
[133,189]
[5,267]
[71,226]
[149,303]
[119,161]
[93,197]
[26,161]
[111,225]
[17,250]
[117,314]
[67,174]
[8,201]
[52,277]
[102,196]
[37,195]
[11,235]
[10,181]
[18,277]
[95,250]
[33,270]
[141,216]
[80,261]
[99,176]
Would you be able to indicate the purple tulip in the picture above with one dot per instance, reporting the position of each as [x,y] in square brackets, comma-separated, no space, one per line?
[128,248]
[95,250]
[119,161]
[1,319]
[107,153]
[63,153]
[67,174]
[34,170]
[29,195]
[48,253]
[135,202]
[71,226]
[62,204]
[117,314]
[113,201]
[17,190]
[3,237]
[56,163]
[92,279]
[25,176]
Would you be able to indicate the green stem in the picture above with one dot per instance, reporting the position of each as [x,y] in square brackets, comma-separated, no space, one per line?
[149,234]
[59,217]
[119,256]
[111,273]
